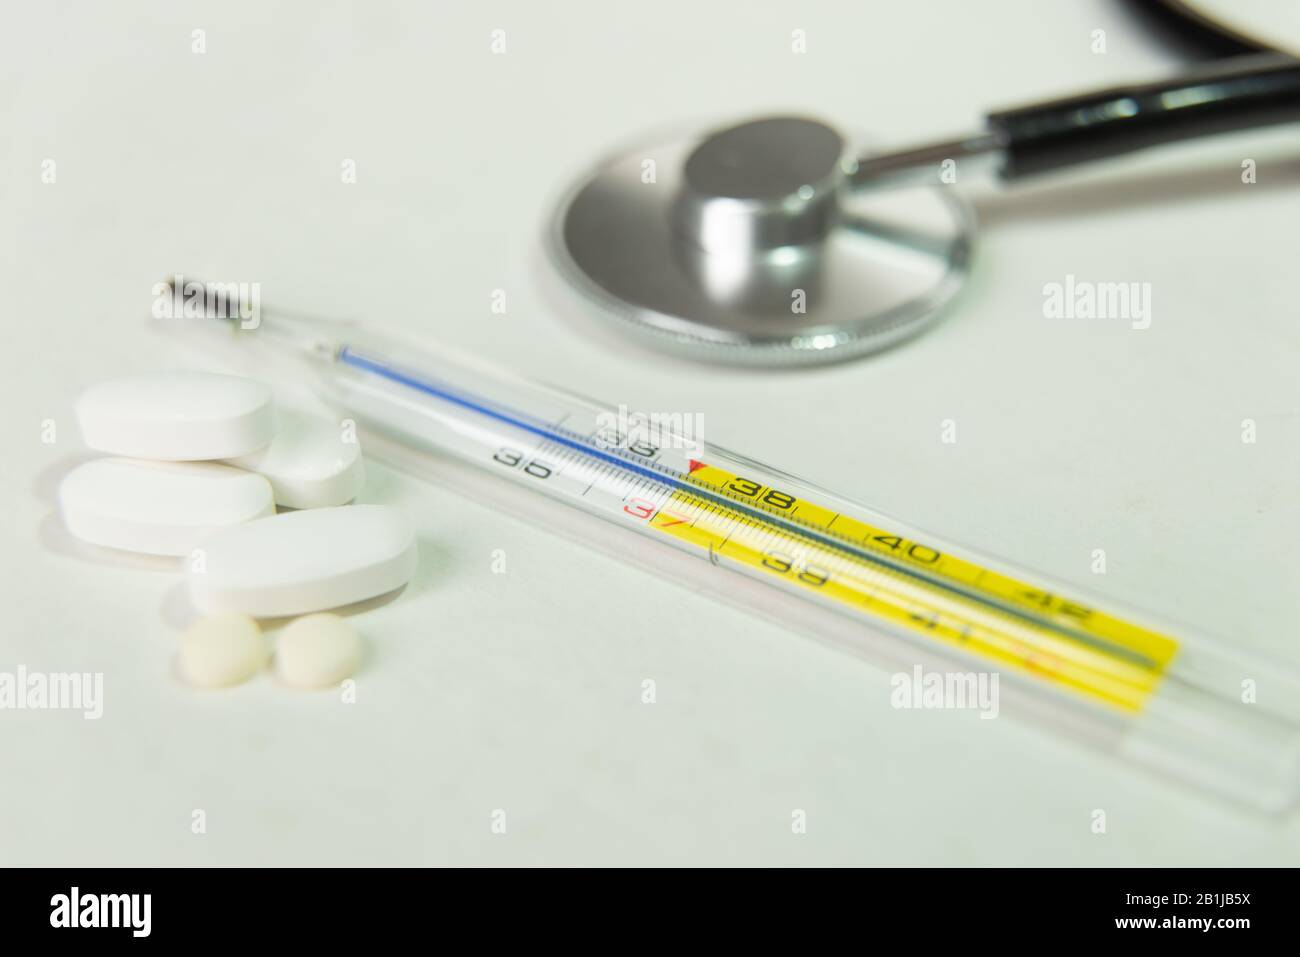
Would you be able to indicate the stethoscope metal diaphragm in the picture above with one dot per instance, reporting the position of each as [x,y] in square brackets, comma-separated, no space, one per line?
[769,242]
[746,245]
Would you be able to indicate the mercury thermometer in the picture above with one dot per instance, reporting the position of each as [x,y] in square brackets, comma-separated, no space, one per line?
[1157,693]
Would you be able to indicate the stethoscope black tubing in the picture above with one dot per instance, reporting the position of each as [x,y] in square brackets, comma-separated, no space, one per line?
[1216,96]
[1191,34]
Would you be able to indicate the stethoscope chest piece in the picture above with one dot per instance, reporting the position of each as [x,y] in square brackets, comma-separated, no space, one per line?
[746,245]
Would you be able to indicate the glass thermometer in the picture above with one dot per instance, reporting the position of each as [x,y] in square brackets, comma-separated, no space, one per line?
[1162,694]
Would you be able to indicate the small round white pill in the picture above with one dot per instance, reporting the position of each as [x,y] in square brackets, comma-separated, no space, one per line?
[177,416]
[311,463]
[159,508]
[317,651]
[299,562]
[222,650]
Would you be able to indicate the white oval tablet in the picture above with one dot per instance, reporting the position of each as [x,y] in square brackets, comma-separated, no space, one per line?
[161,508]
[177,416]
[317,651]
[221,650]
[297,562]
[309,463]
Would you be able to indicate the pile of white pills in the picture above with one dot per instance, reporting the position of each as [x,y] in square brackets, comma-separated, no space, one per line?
[196,466]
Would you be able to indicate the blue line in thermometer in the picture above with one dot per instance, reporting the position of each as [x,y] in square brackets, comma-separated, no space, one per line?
[670,477]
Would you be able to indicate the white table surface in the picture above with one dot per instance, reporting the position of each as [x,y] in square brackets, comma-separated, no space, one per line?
[522,691]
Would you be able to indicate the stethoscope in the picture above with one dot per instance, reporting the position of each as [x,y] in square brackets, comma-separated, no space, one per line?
[775,241]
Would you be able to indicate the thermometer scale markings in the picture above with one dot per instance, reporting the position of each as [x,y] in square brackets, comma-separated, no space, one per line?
[852,564]
[1119,682]
[1009,642]
[1151,646]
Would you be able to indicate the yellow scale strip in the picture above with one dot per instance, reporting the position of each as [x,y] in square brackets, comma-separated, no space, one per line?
[1006,639]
